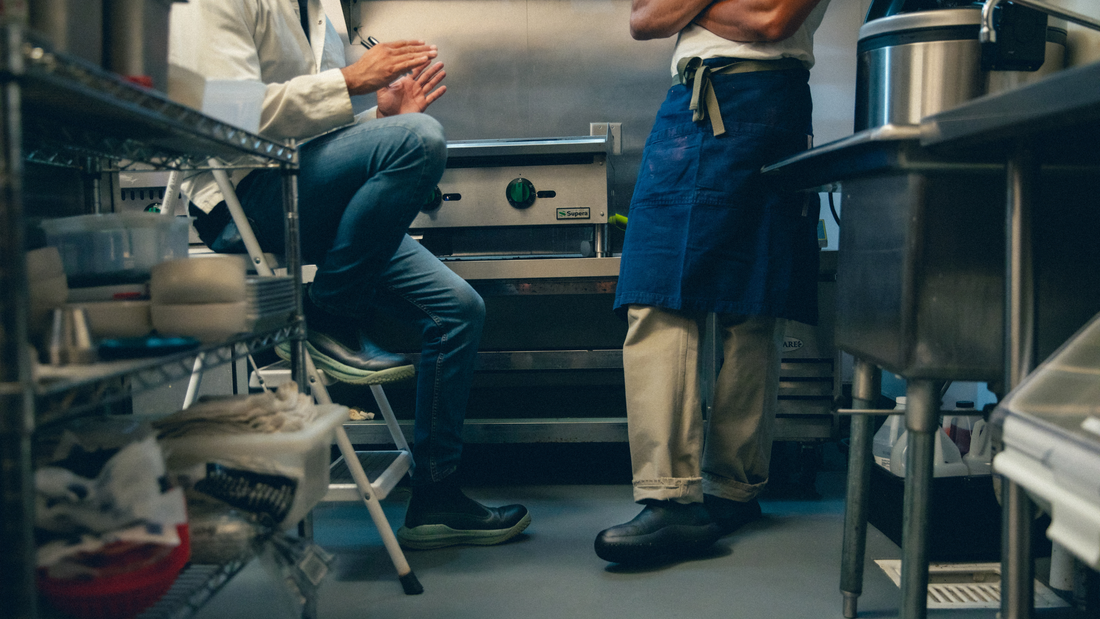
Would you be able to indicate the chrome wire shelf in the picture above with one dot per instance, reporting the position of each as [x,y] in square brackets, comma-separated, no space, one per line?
[70,106]
[195,585]
[68,391]
[63,111]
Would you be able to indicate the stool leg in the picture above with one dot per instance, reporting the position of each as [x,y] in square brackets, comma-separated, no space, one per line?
[404,572]
[865,390]
[390,419]
[195,382]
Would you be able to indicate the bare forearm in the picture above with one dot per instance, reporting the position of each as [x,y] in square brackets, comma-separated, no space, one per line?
[755,20]
[659,19]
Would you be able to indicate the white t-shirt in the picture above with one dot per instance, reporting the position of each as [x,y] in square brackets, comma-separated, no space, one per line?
[695,40]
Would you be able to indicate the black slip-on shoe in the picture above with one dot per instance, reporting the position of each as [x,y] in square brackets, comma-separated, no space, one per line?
[369,358]
[370,365]
[663,531]
[439,529]
[731,515]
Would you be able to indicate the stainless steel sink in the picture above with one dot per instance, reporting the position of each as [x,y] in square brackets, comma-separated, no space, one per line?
[920,273]
[920,281]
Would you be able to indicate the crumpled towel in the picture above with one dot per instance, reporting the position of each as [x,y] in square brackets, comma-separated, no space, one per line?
[284,410]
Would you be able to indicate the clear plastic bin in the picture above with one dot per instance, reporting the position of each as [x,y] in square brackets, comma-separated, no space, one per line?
[116,248]
[1049,429]
[284,473]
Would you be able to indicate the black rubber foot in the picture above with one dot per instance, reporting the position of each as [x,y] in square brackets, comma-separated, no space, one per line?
[410,584]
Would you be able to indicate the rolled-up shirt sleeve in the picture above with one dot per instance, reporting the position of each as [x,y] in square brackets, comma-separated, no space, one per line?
[306,106]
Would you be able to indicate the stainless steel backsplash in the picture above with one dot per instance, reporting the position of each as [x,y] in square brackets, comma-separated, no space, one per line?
[548,68]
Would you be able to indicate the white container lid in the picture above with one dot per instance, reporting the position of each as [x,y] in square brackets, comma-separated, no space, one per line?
[109,221]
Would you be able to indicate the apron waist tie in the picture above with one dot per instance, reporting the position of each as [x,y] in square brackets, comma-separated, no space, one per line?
[693,71]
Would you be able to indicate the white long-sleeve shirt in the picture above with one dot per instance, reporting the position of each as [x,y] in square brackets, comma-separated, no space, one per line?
[263,40]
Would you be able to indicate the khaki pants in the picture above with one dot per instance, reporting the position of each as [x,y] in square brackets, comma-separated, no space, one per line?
[670,457]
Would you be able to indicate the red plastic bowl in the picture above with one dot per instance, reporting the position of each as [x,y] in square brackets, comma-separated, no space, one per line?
[122,595]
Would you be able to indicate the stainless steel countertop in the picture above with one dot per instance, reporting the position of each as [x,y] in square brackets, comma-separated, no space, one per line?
[528,146]
[1059,116]
[871,151]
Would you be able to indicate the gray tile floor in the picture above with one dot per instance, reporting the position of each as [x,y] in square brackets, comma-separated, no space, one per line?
[786,565]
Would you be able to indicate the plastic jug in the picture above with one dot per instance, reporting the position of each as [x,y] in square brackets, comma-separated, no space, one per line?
[961,432]
[981,450]
[946,459]
[888,435]
[961,427]
[885,439]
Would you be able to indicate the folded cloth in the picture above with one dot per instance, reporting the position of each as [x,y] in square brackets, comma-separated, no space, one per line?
[284,410]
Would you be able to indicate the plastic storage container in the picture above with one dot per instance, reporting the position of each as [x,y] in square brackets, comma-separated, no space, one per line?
[980,456]
[946,461]
[1050,429]
[280,474]
[116,248]
[122,595]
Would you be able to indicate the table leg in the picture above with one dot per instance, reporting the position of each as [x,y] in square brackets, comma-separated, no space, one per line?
[922,422]
[1017,567]
[866,385]
[1017,564]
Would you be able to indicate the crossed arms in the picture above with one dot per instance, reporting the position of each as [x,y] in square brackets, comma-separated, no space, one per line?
[735,20]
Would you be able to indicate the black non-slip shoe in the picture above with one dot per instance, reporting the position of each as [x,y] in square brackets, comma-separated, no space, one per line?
[441,515]
[731,515]
[663,531]
[339,348]
[370,365]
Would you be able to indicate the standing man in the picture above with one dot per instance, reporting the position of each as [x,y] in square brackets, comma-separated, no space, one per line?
[362,180]
[709,233]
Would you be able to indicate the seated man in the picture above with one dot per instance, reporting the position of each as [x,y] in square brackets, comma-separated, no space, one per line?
[362,180]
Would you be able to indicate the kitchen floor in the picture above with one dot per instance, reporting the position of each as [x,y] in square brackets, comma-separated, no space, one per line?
[786,565]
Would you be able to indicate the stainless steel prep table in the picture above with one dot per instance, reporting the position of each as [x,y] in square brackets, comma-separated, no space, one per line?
[899,288]
[922,283]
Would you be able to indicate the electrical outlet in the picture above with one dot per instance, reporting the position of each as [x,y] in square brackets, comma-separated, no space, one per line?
[615,134]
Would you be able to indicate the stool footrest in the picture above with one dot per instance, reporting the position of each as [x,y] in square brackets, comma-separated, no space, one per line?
[383,468]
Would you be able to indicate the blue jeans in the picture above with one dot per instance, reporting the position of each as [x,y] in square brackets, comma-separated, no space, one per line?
[359,189]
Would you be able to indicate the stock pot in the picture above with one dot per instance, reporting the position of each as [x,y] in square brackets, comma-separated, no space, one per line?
[913,65]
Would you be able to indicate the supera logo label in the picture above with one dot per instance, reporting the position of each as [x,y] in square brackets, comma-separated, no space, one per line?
[574,213]
[792,344]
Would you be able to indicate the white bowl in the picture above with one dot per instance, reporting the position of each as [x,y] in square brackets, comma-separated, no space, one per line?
[208,322]
[122,318]
[209,279]
[44,262]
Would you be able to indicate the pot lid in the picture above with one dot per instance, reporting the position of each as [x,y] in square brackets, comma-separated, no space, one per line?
[967,16]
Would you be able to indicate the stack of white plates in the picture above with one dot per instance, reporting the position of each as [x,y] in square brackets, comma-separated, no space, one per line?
[270,301]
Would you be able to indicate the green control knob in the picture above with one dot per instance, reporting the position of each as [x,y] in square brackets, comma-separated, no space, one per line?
[435,198]
[520,193]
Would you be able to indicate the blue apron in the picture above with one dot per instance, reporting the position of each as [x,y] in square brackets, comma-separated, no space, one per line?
[707,231]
